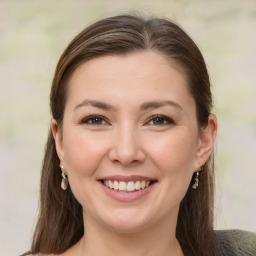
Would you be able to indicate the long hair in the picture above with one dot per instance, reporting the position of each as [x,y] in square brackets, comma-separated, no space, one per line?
[60,222]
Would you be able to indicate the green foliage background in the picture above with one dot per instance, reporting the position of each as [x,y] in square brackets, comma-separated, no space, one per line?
[33,34]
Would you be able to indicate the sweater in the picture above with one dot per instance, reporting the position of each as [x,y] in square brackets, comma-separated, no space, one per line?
[236,243]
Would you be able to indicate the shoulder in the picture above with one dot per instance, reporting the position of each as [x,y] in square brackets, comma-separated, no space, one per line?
[236,242]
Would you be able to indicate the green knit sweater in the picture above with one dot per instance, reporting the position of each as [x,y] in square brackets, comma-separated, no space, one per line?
[236,243]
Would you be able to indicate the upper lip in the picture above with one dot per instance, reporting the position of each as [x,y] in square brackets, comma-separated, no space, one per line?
[127,178]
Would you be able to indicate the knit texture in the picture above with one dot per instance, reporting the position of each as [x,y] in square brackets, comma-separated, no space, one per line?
[236,243]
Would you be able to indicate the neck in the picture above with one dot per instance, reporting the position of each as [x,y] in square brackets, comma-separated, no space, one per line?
[156,240]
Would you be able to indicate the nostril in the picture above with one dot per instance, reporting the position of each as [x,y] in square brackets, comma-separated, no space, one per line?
[126,156]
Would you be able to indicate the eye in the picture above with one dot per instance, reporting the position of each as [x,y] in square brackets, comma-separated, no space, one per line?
[160,120]
[94,120]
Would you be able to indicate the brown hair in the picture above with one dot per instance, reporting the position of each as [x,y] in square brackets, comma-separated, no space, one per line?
[60,223]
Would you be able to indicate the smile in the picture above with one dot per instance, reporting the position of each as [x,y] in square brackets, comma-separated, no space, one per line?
[129,186]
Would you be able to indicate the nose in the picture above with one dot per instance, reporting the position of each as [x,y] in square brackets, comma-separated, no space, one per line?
[126,148]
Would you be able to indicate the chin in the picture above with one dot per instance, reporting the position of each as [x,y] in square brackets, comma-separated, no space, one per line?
[128,220]
[127,227]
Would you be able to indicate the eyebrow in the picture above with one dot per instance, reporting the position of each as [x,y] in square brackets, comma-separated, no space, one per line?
[94,103]
[143,107]
[158,104]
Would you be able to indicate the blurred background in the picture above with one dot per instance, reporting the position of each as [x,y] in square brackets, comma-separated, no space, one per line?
[33,34]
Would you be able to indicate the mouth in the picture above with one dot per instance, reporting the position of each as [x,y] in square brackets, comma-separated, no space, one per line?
[127,186]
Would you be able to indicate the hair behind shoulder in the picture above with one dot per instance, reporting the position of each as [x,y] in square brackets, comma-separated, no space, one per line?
[60,222]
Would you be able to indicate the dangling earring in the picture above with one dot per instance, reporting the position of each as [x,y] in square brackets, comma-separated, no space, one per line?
[64,181]
[195,185]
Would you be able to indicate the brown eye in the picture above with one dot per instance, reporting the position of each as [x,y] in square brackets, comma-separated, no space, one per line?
[160,120]
[94,120]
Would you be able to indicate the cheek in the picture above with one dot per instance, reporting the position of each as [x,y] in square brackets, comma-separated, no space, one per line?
[82,154]
[174,153]
[174,157]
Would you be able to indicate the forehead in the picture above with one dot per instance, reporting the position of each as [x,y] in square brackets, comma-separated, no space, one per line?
[130,64]
[138,77]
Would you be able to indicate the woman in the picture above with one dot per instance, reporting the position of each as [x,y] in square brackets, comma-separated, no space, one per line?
[128,167]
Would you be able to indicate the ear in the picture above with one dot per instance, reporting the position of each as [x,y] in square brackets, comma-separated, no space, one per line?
[57,134]
[206,142]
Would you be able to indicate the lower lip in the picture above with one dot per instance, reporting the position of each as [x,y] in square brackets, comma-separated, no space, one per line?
[127,196]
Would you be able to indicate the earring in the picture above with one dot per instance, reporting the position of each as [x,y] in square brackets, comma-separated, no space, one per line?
[195,185]
[64,181]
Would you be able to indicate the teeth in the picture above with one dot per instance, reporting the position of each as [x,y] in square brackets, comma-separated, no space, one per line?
[130,186]
[116,185]
[126,186]
[122,186]
[110,184]
[137,185]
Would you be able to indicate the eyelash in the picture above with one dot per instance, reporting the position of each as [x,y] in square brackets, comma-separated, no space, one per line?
[88,119]
[167,120]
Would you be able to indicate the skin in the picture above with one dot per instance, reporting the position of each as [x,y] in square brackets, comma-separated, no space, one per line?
[127,142]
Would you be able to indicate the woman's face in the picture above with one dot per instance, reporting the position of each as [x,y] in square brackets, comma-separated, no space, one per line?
[130,140]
